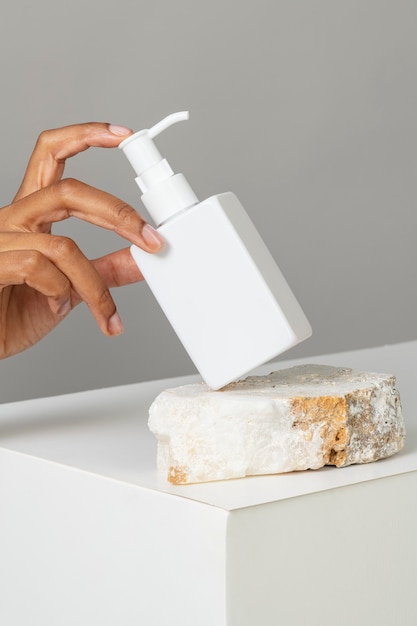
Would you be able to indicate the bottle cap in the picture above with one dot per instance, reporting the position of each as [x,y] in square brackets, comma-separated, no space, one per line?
[164,193]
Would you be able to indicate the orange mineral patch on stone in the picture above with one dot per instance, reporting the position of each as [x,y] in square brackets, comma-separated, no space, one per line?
[330,413]
[177,475]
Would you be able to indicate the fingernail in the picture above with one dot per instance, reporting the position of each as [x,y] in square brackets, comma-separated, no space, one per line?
[119,130]
[152,238]
[115,325]
[64,308]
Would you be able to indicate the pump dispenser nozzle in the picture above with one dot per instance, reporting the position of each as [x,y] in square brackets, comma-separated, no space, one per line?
[168,121]
[164,193]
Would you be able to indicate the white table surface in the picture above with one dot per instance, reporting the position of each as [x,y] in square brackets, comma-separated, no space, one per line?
[105,432]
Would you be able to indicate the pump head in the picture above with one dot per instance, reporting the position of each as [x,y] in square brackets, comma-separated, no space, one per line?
[141,150]
[163,193]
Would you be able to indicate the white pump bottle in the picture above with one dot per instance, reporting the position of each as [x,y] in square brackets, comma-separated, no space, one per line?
[215,279]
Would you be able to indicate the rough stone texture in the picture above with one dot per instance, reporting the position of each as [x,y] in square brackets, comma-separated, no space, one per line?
[300,418]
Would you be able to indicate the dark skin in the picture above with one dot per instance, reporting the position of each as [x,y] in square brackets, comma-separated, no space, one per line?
[44,276]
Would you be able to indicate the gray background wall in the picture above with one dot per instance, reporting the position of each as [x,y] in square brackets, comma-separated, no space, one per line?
[306,110]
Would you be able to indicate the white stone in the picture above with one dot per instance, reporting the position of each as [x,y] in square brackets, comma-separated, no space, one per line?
[295,419]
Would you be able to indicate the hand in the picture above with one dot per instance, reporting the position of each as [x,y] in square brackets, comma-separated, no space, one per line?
[43,276]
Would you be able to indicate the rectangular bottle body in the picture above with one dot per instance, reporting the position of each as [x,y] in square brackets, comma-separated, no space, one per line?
[222,291]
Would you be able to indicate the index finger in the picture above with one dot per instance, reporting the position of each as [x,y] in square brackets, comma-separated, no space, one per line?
[53,147]
[72,198]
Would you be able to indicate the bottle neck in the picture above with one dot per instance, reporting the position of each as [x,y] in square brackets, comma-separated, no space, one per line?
[168,197]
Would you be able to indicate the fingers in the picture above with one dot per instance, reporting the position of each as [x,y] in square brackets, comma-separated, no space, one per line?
[46,165]
[30,267]
[43,276]
[70,197]
[55,266]
[118,268]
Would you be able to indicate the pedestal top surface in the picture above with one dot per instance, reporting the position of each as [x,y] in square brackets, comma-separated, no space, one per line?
[105,432]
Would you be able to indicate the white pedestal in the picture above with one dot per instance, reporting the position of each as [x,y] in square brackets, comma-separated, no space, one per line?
[90,536]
